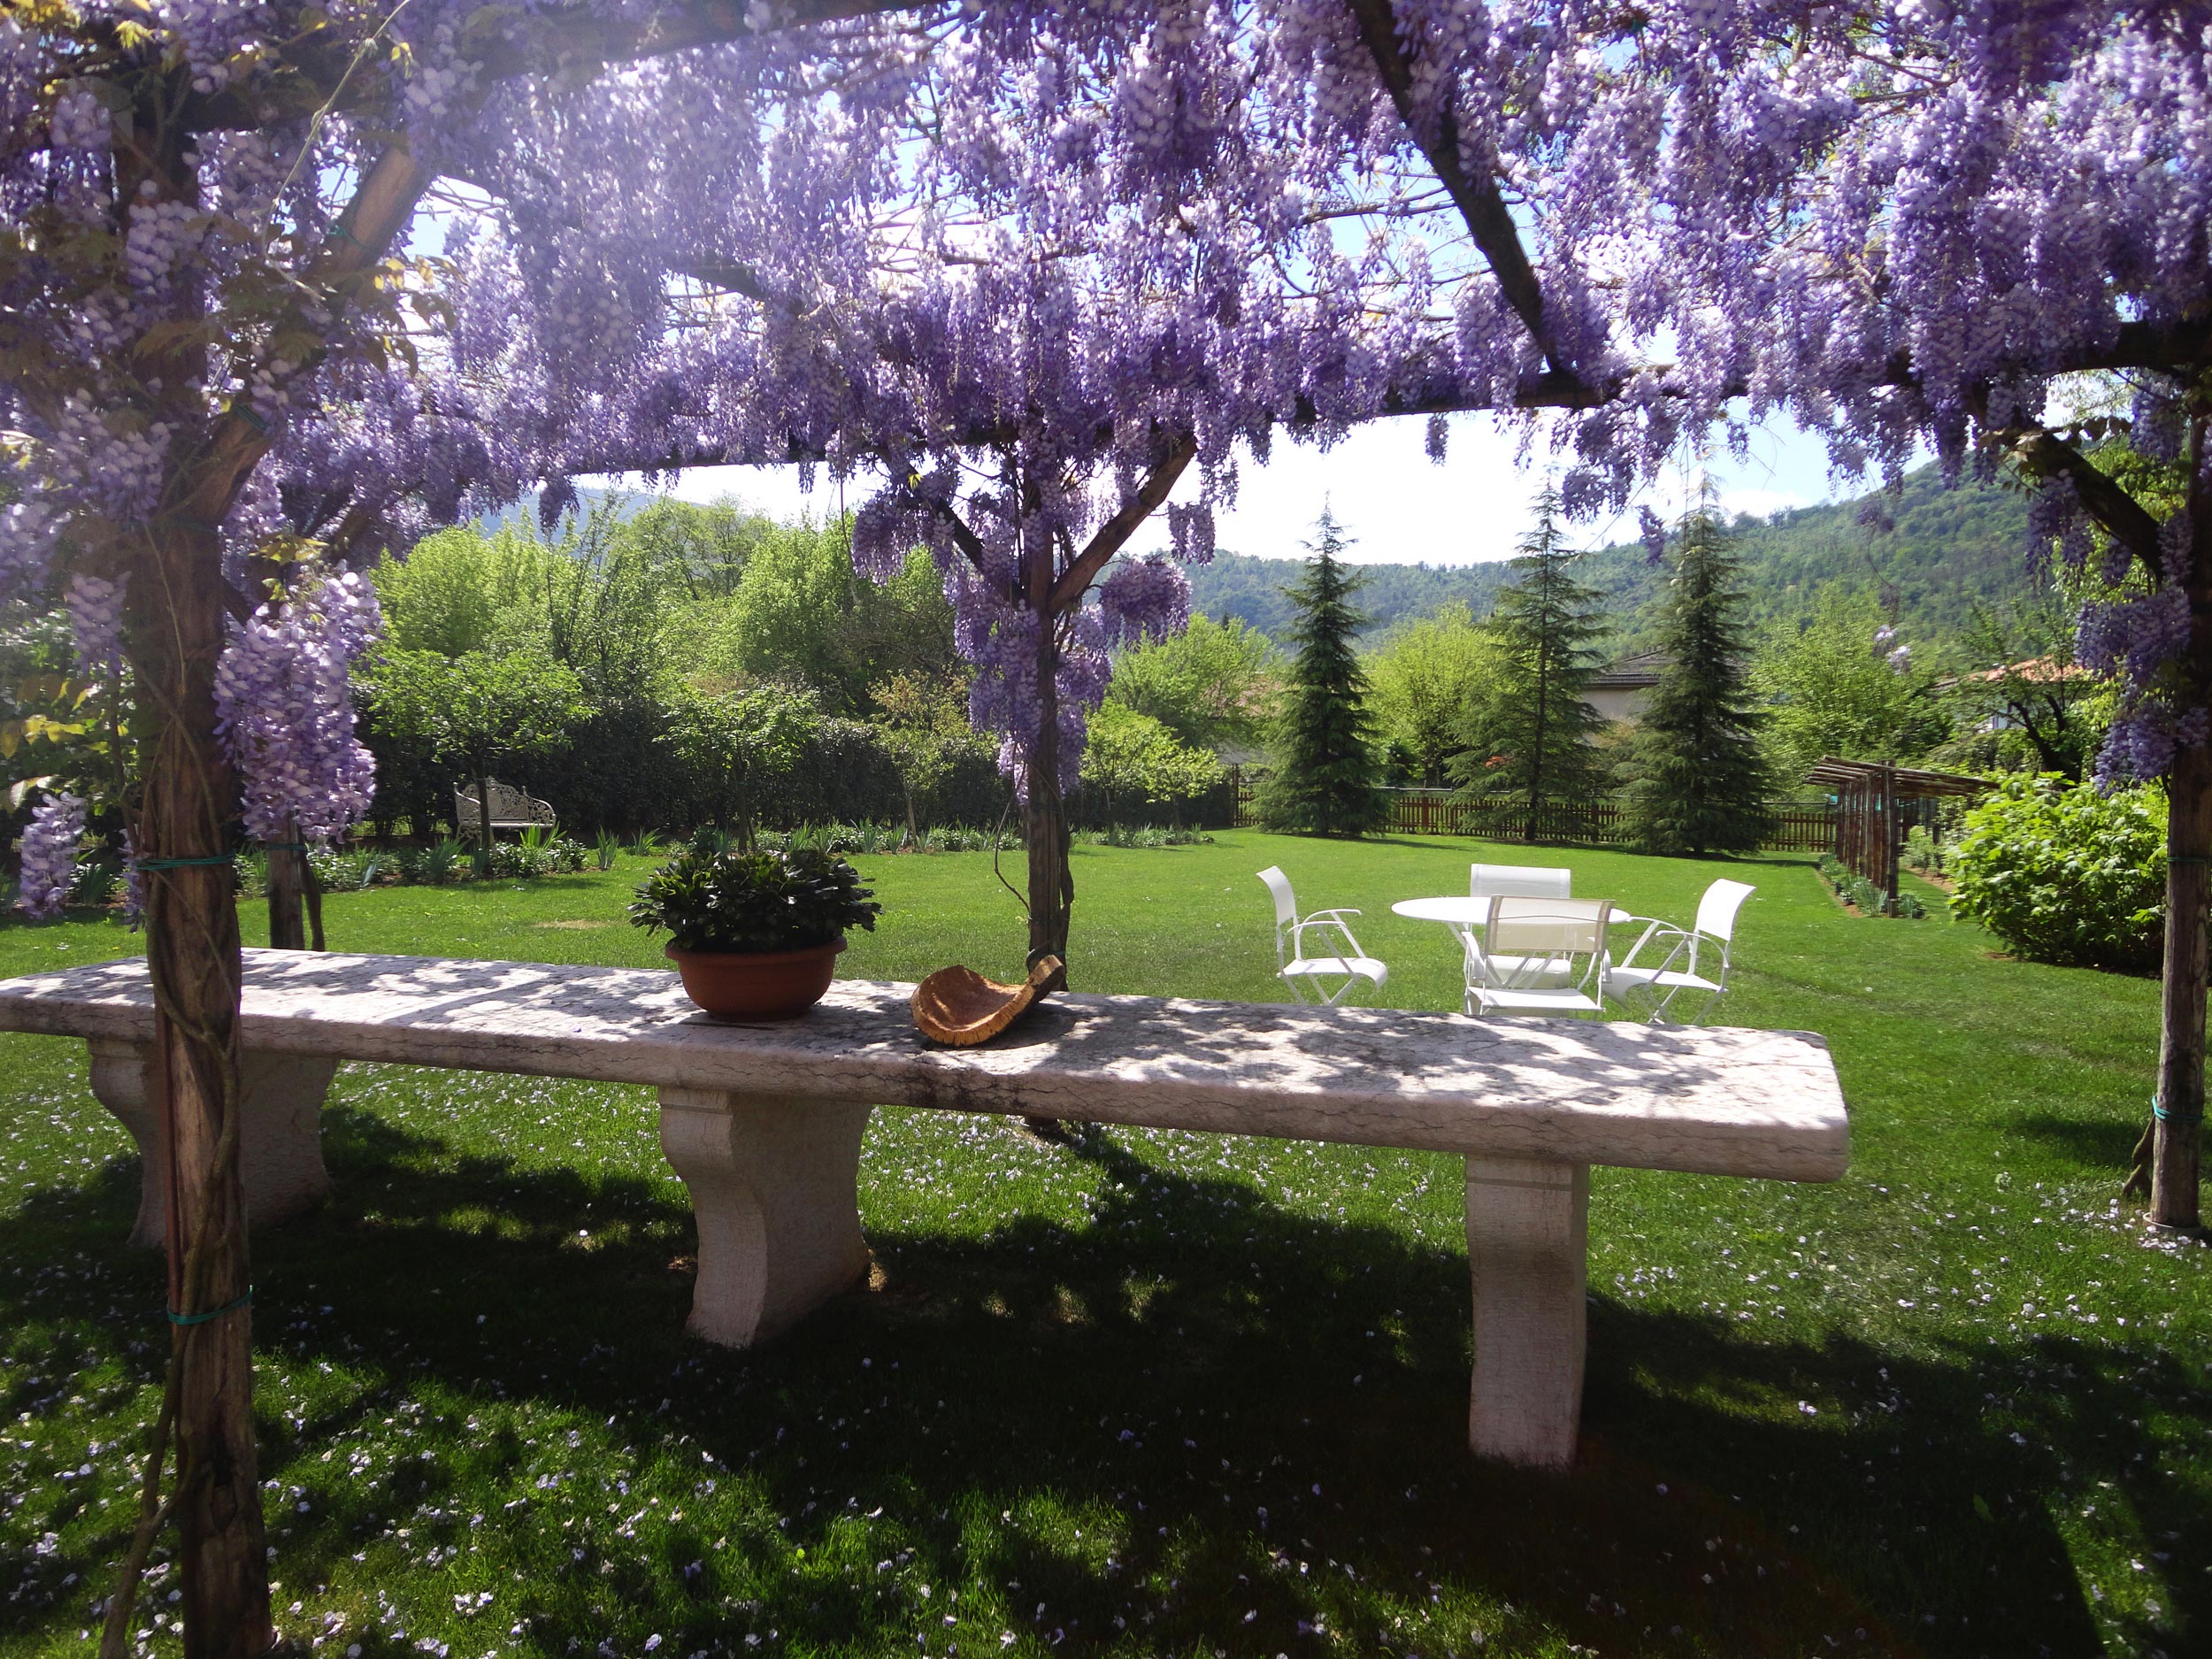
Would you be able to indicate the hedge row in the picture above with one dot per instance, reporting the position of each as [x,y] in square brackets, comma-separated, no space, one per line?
[615,776]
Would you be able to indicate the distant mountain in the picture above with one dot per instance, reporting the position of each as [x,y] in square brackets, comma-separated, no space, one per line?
[1949,548]
[626,503]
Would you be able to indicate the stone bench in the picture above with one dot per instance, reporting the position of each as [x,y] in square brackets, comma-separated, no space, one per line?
[763,1123]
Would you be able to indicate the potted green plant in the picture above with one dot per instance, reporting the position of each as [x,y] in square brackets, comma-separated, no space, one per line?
[754,934]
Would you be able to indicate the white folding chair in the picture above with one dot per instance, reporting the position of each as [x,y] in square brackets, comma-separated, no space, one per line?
[1686,951]
[1525,960]
[1520,881]
[1303,972]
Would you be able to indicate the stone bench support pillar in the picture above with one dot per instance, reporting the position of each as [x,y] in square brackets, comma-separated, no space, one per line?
[280,1134]
[1528,1229]
[774,1182]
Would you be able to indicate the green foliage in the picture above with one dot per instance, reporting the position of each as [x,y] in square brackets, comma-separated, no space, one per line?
[440,862]
[2021,704]
[1214,685]
[476,710]
[923,726]
[527,858]
[1134,760]
[1833,690]
[1533,740]
[460,591]
[1326,780]
[1427,677]
[740,742]
[1702,783]
[2063,873]
[1864,897]
[803,616]
[880,839]
[751,902]
[708,543]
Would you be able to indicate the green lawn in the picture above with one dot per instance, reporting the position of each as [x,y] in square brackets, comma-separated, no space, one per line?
[1163,1394]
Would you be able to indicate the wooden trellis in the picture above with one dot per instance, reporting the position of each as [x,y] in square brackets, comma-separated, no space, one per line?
[1875,802]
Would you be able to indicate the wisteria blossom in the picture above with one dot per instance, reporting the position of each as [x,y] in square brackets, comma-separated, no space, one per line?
[286,716]
[50,855]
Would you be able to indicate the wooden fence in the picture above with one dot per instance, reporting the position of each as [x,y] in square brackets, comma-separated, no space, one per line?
[1800,825]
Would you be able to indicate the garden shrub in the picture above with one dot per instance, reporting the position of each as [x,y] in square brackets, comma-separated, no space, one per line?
[2063,873]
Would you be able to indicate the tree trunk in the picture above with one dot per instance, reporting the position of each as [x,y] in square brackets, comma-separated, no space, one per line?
[311,886]
[2178,1130]
[192,949]
[287,887]
[1044,819]
[483,825]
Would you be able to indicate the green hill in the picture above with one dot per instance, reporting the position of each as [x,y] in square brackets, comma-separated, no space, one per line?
[1949,548]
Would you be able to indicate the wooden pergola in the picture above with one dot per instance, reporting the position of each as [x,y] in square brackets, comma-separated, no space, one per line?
[1874,800]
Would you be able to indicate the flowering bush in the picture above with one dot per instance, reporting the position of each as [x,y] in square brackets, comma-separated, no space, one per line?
[2063,873]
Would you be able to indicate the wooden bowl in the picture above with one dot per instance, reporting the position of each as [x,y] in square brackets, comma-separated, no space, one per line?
[959,1006]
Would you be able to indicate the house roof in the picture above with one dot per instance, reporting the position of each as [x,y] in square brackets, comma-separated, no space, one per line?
[1639,672]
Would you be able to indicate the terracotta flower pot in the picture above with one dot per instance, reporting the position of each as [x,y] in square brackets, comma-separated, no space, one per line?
[757,985]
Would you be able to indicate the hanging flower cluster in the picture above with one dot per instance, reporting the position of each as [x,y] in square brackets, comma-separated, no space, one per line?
[286,717]
[50,855]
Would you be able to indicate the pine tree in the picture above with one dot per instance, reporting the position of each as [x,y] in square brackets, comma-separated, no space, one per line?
[1533,739]
[1702,781]
[1327,776]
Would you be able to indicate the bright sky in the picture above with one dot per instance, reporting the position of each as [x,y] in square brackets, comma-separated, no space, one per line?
[1385,492]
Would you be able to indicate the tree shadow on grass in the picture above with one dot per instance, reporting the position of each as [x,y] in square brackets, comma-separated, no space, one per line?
[1200,1423]
[2089,1142]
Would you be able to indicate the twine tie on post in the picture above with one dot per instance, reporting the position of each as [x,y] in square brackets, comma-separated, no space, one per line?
[2160,1110]
[182,864]
[245,1301]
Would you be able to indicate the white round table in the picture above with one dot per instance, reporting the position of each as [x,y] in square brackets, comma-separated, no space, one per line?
[1452,912]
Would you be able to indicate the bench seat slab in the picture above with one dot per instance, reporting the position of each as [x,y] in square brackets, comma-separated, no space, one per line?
[775,1185]
[1528,1231]
[279,1137]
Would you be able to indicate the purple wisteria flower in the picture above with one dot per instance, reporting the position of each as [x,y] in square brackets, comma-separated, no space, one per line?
[286,717]
[50,855]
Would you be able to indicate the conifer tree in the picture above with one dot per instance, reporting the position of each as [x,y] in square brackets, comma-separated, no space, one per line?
[1532,741]
[1327,776]
[1702,781]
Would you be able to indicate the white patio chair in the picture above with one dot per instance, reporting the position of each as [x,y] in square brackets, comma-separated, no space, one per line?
[1303,972]
[1685,950]
[1525,960]
[1523,882]
[1520,881]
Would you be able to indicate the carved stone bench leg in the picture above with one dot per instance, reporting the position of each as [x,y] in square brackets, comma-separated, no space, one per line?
[1528,1228]
[280,1144]
[774,1183]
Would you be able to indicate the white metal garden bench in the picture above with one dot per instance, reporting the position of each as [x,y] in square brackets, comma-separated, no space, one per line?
[511,808]
[765,1123]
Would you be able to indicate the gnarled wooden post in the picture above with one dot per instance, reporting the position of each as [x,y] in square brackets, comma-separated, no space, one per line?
[2177,1128]
[192,948]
